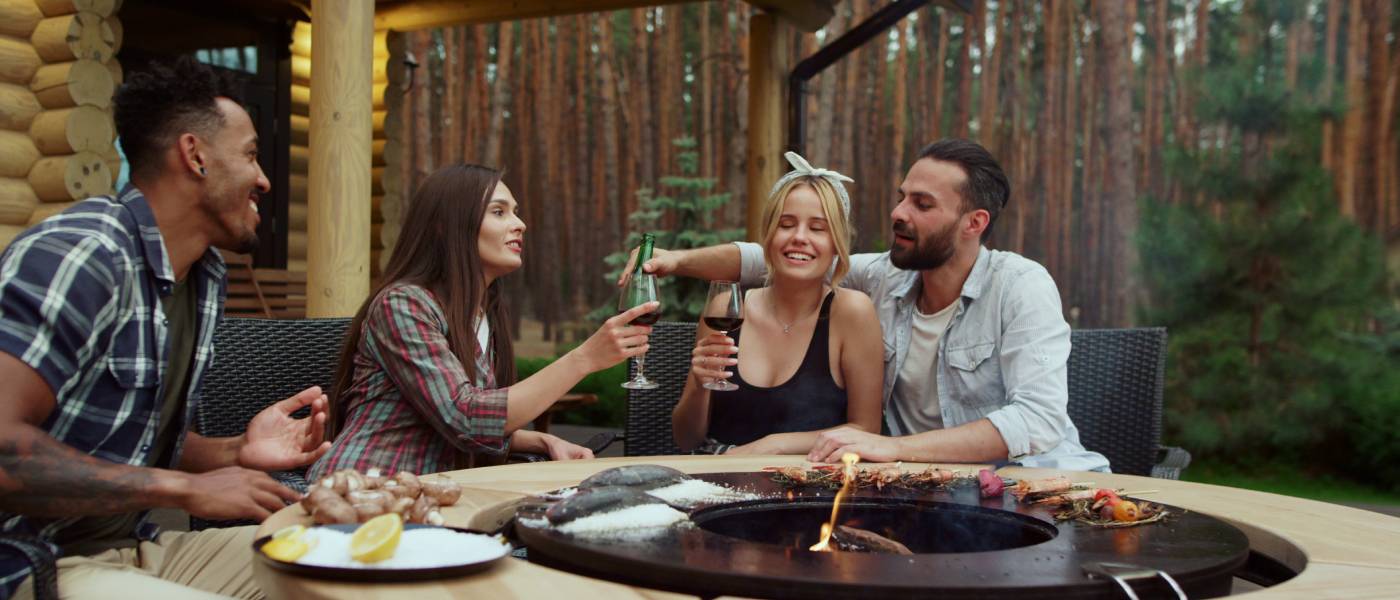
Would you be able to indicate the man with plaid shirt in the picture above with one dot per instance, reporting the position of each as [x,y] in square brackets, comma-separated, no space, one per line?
[107,318]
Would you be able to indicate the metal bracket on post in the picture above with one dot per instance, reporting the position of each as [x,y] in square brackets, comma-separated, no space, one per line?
[1122,573]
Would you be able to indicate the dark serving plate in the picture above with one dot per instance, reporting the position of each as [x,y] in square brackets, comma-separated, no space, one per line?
[373,574]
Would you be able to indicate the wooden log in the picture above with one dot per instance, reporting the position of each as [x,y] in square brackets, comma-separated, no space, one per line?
[73,83]
[17,201]
[118,34]
[18,18]
[296,216]
[301,129]
[376,215]
[114,161]
[374,241]
[301,42]
[115,67]
[301,99]
[72,177]
[298,184]
[301,70]
[8,233]
[376,187]
[17,154]
[18,107]
[296,265]
[69,130]
[339,195]
[70,37]
[296,245]
[376,150]
[299,157]
[18,61]
[301,125]
[47,209]
[54,8]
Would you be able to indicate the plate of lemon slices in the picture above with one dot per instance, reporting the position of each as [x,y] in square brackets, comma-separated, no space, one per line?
[380,549]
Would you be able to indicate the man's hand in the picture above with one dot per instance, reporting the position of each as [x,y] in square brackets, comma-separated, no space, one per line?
[235,493]
[662,263]
[275,441]
[871,447]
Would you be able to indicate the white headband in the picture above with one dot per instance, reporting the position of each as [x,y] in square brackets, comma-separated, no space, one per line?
[802,168]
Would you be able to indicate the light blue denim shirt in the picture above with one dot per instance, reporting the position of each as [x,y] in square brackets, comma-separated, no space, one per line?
[1003,357]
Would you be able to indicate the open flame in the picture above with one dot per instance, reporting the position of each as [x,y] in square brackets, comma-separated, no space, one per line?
[848,476]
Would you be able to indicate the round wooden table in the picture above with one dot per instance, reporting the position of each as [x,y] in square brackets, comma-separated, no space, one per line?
[1339,552]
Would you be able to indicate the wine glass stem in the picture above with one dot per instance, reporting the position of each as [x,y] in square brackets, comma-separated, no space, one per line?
[641,367]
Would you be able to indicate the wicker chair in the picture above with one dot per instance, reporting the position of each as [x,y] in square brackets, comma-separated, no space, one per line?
[258,362]
[1115,399]
[1115,396]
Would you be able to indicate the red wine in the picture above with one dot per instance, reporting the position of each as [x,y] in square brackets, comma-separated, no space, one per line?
[724,323]
[647,319]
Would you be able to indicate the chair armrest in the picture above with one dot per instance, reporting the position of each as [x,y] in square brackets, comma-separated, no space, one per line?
[600,441]
[1173,460]
[526,457]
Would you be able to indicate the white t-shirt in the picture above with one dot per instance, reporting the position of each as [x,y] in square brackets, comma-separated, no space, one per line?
[916,388]
[483,334]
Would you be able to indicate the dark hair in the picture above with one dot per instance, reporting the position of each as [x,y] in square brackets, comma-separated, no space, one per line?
[986,187]
[437,250]
[165,100]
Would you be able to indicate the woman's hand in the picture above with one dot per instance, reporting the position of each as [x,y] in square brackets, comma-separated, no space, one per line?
[535,442]
[713,354]
[617,340]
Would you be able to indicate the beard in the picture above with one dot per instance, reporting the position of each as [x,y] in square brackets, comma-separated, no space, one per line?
[927,252]
[237,237]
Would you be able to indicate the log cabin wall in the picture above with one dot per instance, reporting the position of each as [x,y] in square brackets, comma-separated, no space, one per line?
[57,76]
[300,153]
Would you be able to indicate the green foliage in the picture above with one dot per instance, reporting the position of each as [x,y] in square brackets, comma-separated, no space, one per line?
[689,204]
[1283,348]
[611,409]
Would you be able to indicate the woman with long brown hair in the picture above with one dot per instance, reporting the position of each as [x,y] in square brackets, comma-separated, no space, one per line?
[426,380]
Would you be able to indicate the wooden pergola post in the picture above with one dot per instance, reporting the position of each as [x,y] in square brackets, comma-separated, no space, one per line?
[770,59]
[338,188]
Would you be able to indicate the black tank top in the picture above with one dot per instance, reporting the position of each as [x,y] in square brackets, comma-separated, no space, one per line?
[810,400]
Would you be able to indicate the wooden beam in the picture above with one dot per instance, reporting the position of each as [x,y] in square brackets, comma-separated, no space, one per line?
[424,14]
[338,195]
[769,62]
[806,15]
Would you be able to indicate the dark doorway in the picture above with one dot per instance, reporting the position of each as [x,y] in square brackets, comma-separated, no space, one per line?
[255,43]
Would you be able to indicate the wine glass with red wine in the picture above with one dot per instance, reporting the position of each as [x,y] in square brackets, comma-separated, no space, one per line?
[724,312]
[640,289]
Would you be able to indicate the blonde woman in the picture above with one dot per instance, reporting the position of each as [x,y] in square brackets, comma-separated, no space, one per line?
[808,356]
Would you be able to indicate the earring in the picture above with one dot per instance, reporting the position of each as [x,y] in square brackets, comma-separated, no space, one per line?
[202,172]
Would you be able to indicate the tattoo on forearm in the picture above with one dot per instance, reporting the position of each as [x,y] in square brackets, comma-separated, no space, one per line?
[42,477]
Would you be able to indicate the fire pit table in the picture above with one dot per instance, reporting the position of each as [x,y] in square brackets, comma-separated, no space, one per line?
[1333,550]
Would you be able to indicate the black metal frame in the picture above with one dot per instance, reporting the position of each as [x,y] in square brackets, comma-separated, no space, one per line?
[849,42]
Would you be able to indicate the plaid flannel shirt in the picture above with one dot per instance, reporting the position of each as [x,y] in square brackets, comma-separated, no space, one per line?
[80,304]
[411,406]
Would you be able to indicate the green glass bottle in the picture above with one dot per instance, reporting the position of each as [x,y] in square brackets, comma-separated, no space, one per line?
[644,254]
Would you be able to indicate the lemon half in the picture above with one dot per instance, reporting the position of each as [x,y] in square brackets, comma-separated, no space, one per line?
[377,539]
[287,544]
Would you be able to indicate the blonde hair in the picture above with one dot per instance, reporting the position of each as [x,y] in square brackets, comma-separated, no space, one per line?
[838,223]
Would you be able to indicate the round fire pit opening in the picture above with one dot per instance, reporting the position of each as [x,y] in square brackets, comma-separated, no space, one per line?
[923,527]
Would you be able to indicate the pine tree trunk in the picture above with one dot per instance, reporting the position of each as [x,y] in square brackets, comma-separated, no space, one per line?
[1352,134]
[897,114]
[1329,81]
[1372,186]
[991,83]
[422,112]
[940,69]
[608,85]
[1118,190]
[820,135]
[500,93]
[971,25]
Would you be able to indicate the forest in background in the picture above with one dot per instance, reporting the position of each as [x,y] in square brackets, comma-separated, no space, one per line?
[1227,169]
